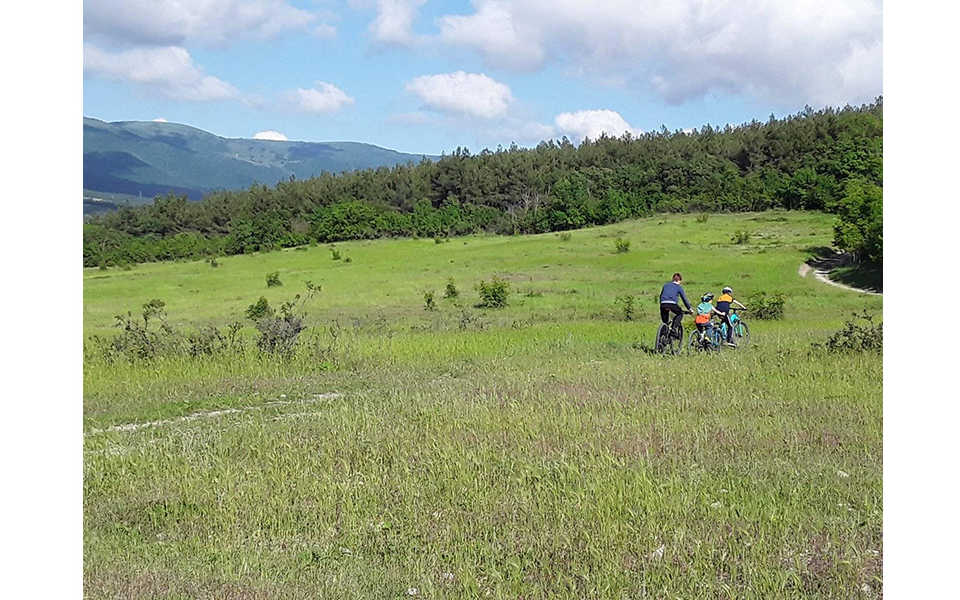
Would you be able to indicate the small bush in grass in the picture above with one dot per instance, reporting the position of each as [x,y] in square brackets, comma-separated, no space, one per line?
[348,260]
[626,304]
[565,236]
[273,279]
[740,237]
[260,309]
[859,334]
[702,217]
[428,303]
[335,254]
[212,261]
[622,245]
[279,333]
[493,294]
[451,290]
[766,306]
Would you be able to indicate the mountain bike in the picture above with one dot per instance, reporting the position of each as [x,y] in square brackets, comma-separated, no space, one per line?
[741,331]
[669,338]
[707,341]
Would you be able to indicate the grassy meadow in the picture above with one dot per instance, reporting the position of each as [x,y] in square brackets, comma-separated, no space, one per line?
[540,450]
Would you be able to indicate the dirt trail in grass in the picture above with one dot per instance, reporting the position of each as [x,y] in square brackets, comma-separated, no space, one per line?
[821,275]
[213,413]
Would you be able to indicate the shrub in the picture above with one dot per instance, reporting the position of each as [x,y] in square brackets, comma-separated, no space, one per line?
[622,245]
[859,334]
[273,279]
[766,306]
[348,260]
[209,341]
[740,237]
[565,236]
[279,334]
[138,341]
[428,303]
[493,294]
[626,304]
[702,217]
[451,290]
[259,310]
[212,261]
[335,254]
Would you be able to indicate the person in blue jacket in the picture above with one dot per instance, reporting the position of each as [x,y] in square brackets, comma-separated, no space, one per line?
[670,296]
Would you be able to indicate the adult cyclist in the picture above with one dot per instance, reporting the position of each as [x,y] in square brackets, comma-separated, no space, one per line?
[723,307]
[670,294]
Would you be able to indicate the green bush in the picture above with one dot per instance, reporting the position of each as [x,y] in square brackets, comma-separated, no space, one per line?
[261,308]
[702,217]
[766,306]
[335,254]
[740,237]
[859,334]
[565,236]
[622,245]
[273,279]
[428,303]
[626,304]
[493,294]
[451,290]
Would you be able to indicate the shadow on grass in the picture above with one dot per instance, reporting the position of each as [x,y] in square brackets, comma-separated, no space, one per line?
[842,268]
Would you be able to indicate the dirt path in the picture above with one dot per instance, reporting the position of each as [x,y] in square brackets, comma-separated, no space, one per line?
[212,414]
[821,275]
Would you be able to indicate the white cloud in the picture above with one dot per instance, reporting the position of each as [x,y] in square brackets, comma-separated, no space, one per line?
[394,21]
[591,123]
[174,22]
[325,98]
[325,31]
[504,40]
[270,134]
[466,94]
[806,51]
[168,70]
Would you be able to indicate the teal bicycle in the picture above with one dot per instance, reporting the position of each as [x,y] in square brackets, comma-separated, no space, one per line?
[741,331]
[707,341]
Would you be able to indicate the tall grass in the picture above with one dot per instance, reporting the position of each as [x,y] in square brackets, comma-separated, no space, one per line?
[546,453]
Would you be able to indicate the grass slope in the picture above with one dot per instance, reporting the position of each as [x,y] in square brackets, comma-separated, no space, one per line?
[534,451]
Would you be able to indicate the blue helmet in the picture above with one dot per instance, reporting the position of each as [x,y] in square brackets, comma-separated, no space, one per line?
[707,297]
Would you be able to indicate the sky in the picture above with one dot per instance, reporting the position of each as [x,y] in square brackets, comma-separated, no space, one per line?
[428,76]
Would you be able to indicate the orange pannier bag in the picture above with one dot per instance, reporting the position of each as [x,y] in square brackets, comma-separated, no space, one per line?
[701,319]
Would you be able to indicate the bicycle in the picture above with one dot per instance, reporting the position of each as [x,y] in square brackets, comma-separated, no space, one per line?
[741,331]
[706,341]
[669,338]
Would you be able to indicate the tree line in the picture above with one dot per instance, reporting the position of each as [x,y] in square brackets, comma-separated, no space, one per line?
[830,159]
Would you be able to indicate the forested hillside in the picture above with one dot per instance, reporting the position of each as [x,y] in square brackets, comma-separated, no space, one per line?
[819,160]
[146,158]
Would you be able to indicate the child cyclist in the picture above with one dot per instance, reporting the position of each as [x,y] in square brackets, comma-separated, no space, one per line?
[705,312]
[723,308]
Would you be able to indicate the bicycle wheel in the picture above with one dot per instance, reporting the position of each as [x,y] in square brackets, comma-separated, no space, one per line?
[694,344]
[716,338]
[676,340]
[742,333]
[662,339]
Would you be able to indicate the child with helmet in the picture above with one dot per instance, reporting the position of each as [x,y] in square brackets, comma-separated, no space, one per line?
[723,308]
[705,310]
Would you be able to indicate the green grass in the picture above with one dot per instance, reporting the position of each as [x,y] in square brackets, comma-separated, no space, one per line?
[539,450]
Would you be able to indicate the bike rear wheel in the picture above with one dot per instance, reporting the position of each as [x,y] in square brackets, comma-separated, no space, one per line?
[662,339]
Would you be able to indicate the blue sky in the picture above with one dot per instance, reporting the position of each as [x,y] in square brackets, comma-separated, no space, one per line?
[428,76]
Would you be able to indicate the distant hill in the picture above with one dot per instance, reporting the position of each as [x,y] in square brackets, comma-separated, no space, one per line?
[133,161]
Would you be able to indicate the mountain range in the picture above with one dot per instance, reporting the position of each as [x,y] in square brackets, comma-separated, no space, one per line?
[133,161]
